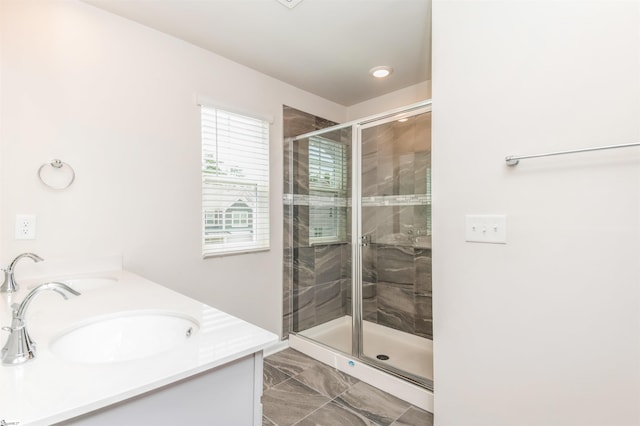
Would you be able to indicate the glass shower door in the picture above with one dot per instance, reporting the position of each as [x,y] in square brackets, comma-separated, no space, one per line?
[395,245]
[320,237]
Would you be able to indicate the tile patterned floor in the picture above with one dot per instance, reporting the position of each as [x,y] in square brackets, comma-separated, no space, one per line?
[298,390]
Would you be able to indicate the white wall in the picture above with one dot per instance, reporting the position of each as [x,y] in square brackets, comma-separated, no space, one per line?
[399,98]
[1,127]
[116,100]
[546,329]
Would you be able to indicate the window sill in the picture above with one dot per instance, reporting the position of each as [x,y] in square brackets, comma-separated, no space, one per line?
[233,253]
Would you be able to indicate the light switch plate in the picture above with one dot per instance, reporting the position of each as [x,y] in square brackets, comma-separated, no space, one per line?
[490,228]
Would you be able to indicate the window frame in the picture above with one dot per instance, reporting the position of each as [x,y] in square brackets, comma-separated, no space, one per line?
[230,177]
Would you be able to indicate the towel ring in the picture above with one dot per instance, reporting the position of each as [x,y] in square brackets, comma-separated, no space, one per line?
[56,165]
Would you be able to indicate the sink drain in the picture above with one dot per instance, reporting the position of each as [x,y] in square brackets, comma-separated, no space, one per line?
[382,357]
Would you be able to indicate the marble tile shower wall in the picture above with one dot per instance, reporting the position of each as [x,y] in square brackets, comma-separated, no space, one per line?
[396,288]
[321,289]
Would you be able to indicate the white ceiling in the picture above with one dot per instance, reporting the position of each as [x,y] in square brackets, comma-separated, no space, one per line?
[325,47]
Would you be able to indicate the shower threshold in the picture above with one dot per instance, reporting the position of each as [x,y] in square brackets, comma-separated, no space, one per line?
[405,352]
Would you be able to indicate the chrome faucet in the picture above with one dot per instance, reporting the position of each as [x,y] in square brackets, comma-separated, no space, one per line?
[9,284]
[19,347]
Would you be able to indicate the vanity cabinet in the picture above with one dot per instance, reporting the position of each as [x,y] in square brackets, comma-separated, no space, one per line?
[212,376]
[227,395]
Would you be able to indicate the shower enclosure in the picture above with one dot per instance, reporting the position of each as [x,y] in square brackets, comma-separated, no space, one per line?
[358,240]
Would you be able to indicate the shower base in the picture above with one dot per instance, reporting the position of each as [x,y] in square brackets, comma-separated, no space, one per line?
[404,351]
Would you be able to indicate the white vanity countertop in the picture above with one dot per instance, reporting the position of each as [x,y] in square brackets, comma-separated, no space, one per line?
[49,389]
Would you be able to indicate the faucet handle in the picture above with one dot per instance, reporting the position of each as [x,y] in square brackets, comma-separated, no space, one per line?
[9,284]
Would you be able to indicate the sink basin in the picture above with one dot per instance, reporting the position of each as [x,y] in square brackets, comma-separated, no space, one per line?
[124,337]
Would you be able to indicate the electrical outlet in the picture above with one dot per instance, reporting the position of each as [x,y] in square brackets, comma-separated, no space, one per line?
[25,227]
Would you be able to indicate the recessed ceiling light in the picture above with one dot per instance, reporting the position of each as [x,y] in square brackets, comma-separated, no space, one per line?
[402,120]
[380,72]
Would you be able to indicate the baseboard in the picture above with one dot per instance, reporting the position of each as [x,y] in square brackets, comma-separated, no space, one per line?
[276,347]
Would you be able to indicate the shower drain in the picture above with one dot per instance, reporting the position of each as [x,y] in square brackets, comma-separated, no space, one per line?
[382,357]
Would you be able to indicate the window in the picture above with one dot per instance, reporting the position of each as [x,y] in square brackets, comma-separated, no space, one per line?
[235,182]
[327,190]
[239,219]
[213,219]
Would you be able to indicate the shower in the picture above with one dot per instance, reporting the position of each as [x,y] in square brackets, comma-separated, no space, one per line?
[357,243]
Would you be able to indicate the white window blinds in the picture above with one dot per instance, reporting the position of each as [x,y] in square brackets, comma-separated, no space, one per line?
[235,183]
[327,190]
